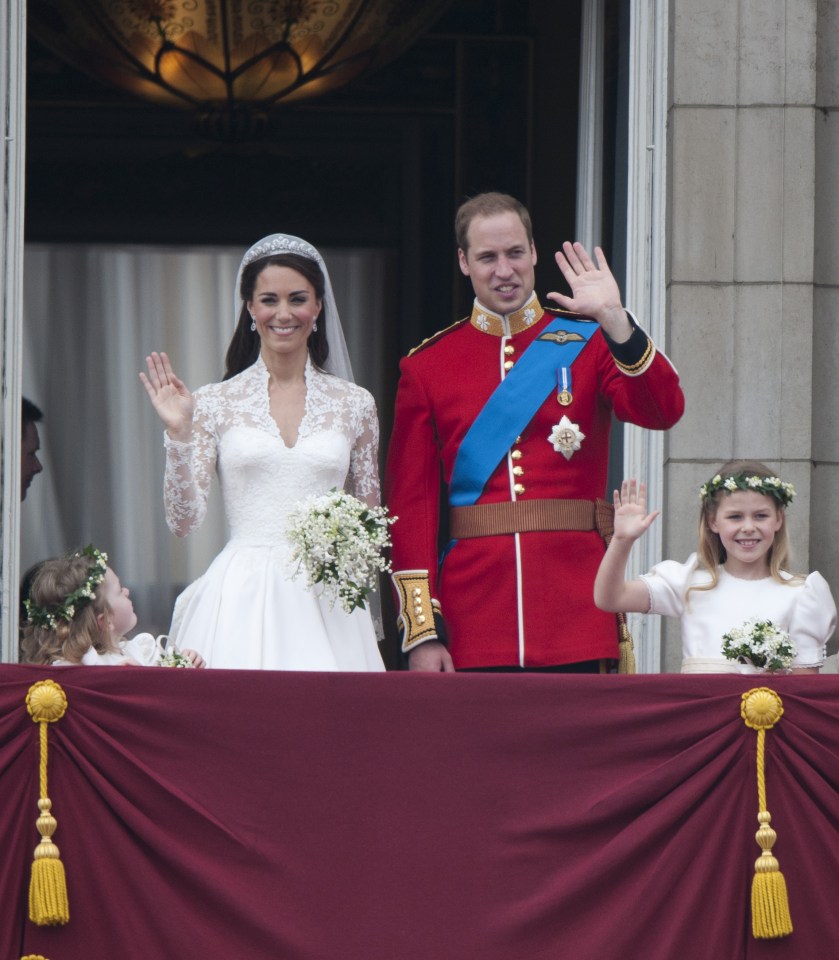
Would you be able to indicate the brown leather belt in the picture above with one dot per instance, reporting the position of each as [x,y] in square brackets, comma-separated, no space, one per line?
[529,516]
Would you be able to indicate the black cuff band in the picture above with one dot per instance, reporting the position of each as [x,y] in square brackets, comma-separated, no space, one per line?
[631,351]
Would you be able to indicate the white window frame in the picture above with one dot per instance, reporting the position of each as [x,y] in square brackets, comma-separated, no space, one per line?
[12,104]
[645,240]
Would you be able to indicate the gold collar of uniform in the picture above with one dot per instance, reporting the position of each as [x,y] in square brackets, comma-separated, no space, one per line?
[497,325]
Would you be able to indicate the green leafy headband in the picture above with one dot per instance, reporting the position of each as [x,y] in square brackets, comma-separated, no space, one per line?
[771,486]
[66,610]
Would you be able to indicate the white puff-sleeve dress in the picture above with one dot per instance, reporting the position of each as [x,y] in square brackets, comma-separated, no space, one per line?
[804,607]
[144,650]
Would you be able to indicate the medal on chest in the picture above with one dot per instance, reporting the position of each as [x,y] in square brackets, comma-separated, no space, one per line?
[563,379]
[566,437]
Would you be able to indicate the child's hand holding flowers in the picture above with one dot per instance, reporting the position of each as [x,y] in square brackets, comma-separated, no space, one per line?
[760,643]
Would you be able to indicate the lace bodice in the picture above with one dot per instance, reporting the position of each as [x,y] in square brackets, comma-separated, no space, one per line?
[235,436]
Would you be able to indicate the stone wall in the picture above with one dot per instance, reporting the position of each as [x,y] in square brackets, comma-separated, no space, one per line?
[753,260]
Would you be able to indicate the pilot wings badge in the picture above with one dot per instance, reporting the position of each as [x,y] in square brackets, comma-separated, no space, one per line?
[561,336]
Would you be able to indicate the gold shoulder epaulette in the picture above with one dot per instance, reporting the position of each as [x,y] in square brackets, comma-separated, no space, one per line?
[436,336]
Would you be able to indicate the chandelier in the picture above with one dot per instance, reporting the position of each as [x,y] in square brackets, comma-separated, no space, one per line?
[230,61]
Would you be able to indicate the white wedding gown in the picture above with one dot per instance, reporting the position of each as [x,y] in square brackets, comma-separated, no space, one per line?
[247,611]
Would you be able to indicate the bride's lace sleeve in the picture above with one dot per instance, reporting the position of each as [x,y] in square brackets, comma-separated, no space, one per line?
[363,477]
[189,472]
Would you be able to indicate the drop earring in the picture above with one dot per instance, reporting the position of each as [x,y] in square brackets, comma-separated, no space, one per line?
[253,322]
[315,327]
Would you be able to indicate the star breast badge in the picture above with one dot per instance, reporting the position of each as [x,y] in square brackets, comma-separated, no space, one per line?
[566,437]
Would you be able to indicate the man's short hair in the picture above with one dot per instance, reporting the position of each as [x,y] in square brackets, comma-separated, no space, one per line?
[30,413]
[488,205]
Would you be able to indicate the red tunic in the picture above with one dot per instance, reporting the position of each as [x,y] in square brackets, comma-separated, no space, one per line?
[515,599]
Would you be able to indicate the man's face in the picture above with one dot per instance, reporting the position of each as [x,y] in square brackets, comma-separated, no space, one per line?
[499,262]
[30,465]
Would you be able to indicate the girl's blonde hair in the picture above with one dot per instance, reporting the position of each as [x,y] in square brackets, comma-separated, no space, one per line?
[53,583]
[712,553]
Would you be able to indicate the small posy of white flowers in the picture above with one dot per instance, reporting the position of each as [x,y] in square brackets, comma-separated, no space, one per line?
[760,643]
[339,543]
[174,658]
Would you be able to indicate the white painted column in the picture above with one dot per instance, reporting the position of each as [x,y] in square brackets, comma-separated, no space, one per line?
[590,126]
[12,103]
[645,275]
[645,242]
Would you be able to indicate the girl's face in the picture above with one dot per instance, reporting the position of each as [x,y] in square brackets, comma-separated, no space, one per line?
[747,522]
[122,617]
[284,307]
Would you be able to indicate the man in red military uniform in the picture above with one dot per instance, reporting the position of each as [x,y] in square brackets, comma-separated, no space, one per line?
[514,405]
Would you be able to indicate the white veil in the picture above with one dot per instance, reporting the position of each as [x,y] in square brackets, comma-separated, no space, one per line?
[338,361]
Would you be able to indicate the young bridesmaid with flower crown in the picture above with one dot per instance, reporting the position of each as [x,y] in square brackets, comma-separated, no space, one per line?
[736,579]
[78,613]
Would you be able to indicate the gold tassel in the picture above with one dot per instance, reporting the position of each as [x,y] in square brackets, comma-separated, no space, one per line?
[48,905]
[626,647]
[761,708]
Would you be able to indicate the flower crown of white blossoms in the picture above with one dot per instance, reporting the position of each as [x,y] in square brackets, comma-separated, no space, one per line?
[771,486]
[66,610]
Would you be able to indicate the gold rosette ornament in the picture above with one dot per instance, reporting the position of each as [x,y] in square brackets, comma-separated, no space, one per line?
[48,906]
[761,708]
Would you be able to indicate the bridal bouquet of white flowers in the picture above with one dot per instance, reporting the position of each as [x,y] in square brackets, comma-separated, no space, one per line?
[174,658]
[760,643]
[339,542]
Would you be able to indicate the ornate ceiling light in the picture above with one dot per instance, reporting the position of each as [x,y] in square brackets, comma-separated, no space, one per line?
[229,60]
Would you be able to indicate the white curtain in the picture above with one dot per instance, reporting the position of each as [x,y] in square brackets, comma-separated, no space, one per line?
[91,315]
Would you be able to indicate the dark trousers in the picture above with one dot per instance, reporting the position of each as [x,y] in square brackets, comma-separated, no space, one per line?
[584,666]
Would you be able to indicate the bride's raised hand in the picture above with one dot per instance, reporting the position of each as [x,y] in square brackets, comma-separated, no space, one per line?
[631,517]
[169,396]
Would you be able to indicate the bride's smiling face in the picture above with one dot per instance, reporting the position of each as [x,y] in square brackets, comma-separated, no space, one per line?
[284,308]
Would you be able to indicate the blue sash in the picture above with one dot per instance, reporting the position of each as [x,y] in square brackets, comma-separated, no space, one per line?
[512,406]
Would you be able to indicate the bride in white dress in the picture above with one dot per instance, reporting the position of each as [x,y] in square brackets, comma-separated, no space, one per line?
[285,423]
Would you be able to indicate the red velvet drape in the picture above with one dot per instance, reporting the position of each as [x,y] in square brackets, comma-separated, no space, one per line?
[279,816]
